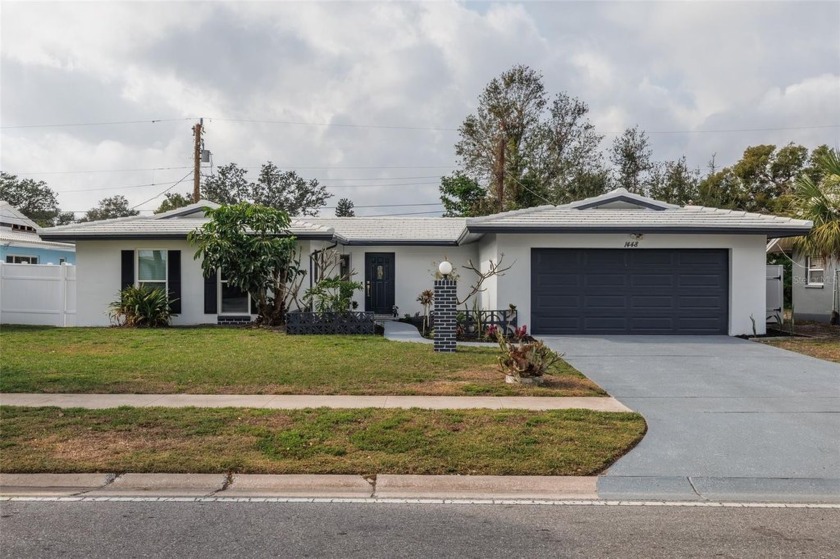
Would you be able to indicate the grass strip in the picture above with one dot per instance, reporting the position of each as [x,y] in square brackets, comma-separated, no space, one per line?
[821,348]
[315,441]
[214,360]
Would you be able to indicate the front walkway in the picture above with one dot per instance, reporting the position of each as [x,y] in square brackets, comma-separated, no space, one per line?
[287,402]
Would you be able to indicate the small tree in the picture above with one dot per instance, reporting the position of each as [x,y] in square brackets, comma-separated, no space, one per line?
[344,208]
[173,201]
[253,246]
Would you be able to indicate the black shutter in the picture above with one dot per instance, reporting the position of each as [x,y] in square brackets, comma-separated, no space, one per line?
[127,274]
[173,258]
[210,294]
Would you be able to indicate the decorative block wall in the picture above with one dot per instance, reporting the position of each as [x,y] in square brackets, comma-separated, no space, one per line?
[445,310]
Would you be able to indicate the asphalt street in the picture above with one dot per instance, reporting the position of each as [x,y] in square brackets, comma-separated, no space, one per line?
[236,529]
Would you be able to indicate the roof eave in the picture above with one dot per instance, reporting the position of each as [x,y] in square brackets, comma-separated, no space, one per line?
[679,229]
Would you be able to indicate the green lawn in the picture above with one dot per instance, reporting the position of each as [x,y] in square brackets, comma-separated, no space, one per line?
[326,441]
[251,361]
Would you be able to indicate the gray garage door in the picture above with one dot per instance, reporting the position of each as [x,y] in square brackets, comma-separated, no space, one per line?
[633,291]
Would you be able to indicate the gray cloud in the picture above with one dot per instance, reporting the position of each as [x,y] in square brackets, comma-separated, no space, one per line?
[664,66]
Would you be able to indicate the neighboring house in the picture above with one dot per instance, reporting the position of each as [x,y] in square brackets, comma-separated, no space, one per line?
[815,282]
[615,264]
[20,242]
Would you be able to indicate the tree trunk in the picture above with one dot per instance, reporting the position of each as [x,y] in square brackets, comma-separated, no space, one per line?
[499,173]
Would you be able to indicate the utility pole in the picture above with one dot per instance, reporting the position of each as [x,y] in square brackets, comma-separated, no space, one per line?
[197,169]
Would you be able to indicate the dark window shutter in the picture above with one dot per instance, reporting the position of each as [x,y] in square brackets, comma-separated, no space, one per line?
[210,294]
[127,274]
[173,258]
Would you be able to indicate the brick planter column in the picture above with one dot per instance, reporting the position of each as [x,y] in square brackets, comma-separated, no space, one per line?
[445,309]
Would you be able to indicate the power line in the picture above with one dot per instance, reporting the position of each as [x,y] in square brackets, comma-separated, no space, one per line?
[250,167]
[112,187]
[402,214]
[727,130]
[165,191]
[384,206]
[333,124]
[112,123]
[102,171]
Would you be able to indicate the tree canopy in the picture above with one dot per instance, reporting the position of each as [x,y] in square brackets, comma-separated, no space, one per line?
[344,208]
[819,201]
[34,199]
[253,247]
[173,201]
[274,188]
[109,208]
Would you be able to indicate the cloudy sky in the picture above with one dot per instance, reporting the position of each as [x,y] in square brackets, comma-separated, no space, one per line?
[367,97]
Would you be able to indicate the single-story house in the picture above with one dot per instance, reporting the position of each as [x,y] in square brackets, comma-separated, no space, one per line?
[614,264]
[815,282]
[20,242]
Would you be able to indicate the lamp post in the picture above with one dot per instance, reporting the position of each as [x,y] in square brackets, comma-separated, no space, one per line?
[445,303]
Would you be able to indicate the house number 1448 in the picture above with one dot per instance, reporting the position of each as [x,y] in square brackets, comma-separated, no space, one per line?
[631,244]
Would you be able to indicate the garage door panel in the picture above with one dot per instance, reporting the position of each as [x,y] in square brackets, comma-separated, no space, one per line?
[560,301]
[605,302]
[605,280]
[605,323]
[643,302]
[608,291]
[652,280]
[559,280]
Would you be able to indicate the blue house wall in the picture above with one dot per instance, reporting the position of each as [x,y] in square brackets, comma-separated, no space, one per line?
[45,255]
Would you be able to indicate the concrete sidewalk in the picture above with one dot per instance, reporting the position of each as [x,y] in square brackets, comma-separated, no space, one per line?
[293,402]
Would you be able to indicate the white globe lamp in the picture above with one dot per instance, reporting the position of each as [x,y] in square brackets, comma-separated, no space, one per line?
[445,268]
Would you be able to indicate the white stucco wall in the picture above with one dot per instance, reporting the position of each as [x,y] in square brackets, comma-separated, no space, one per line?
[413,269]
[99,274]
[747,284]
[812,302]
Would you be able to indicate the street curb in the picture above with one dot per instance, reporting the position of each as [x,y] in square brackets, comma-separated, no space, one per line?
[385,486]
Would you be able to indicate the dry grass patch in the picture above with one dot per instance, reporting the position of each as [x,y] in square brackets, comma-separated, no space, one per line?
[251,361]
[325,441]
[822,341]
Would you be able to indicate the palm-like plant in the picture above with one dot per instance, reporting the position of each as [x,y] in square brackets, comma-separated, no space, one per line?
[820,202]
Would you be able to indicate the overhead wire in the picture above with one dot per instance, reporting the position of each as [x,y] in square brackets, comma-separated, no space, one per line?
[179,181]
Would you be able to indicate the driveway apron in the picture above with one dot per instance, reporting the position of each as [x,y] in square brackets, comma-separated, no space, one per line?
[719,410]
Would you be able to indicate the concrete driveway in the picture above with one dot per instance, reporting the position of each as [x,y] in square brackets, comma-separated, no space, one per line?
[727,418]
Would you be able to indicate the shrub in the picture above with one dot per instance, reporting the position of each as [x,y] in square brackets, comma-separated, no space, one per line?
[141,306]
[525,359]
[332,295]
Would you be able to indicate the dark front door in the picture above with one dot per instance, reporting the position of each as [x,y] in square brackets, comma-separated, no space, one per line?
[637,291]
[379,282]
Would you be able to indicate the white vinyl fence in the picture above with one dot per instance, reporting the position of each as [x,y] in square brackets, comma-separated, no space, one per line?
[38,294]
[775,293]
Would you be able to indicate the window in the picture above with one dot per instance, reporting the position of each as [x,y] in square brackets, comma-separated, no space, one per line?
[815,271]
[233,299]
[344,267]
[151,269]
[15,259]
[62,260]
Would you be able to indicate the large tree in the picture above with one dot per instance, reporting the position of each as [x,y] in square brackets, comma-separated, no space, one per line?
[631,158]
[254,248]
[492,140]
[34,199]
[228,185]
[673,182]
[522,150]
[281,190]
[109,208]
